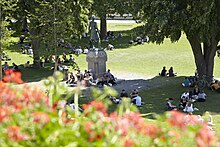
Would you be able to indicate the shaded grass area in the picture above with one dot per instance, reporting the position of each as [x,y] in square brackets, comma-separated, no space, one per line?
[165,87]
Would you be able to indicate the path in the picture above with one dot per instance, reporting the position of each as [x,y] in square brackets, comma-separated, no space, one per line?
[127,81]
[131,81]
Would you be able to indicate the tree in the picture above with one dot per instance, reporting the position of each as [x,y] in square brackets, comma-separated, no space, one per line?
[6,7]
[101,8]
[51,20]
[199,20]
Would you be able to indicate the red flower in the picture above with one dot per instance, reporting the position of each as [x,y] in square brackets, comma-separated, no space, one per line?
[98,106]
[173,135]
[204,137]
[88,126]
[4,113]
[12,77]
[129,142]
[14,132]
[41,117]
[151,130]
[177,119]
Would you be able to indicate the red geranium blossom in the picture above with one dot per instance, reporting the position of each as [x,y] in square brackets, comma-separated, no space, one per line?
[4,113]
[177,119]
[41,117]
[14,132]
[99,106]
[204,137]
[12,77]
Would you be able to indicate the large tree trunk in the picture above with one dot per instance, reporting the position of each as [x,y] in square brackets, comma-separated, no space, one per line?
[204,59]
[209,55]
[36,47]
[198,55]
[103,27]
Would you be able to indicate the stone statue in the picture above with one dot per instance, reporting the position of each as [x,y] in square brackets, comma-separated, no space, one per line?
[93,28]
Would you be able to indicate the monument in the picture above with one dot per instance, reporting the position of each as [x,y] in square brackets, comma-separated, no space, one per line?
[96,57]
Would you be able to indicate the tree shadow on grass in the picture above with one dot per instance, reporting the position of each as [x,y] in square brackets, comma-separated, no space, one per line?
[155,91]
[155,97]
[118,43]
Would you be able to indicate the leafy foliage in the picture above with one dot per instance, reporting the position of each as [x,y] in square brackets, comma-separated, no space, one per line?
[26,119]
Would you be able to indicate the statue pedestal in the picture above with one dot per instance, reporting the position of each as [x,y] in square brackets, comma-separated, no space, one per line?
[96,59]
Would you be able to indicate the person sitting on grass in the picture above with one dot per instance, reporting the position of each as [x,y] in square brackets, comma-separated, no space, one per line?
[134,93]
[114,99]
[215,85]
[71,79]
[27,65]
[189,108]
[169,104]
[195,92]
[100,82]
[201,97]
[89,81]
[186,82]
[15,67]
[163,72]
[110,47]
[110,79]
[137,100]
[71,59]
[65,60]
[5,66]
[79,75]
[171,73]
[123,94]
[183,102]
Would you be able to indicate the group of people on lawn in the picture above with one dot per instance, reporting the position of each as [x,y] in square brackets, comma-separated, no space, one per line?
[86,78]
[15,67]
[134,97]
[187,99]
[170,73]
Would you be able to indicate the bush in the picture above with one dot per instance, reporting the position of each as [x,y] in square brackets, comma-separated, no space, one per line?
[29,117]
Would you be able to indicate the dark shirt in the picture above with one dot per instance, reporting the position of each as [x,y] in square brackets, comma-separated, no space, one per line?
[163,72]
[124,95]
[171,74]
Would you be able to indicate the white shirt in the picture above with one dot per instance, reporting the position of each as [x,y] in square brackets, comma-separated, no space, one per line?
[189,109]
[185,95]
[138,100]
[202,96]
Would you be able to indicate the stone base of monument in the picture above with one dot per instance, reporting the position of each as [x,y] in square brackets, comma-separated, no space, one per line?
[96,59]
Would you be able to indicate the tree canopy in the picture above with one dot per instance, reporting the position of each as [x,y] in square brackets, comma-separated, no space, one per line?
[197,19]
[51,20]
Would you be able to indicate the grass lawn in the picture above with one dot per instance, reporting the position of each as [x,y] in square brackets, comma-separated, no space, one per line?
[145,60]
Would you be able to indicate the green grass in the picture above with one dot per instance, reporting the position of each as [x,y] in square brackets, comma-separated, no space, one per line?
[145,60]
[148,59]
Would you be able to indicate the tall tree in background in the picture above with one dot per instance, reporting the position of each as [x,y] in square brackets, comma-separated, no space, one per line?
[101,8]
[199,20]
